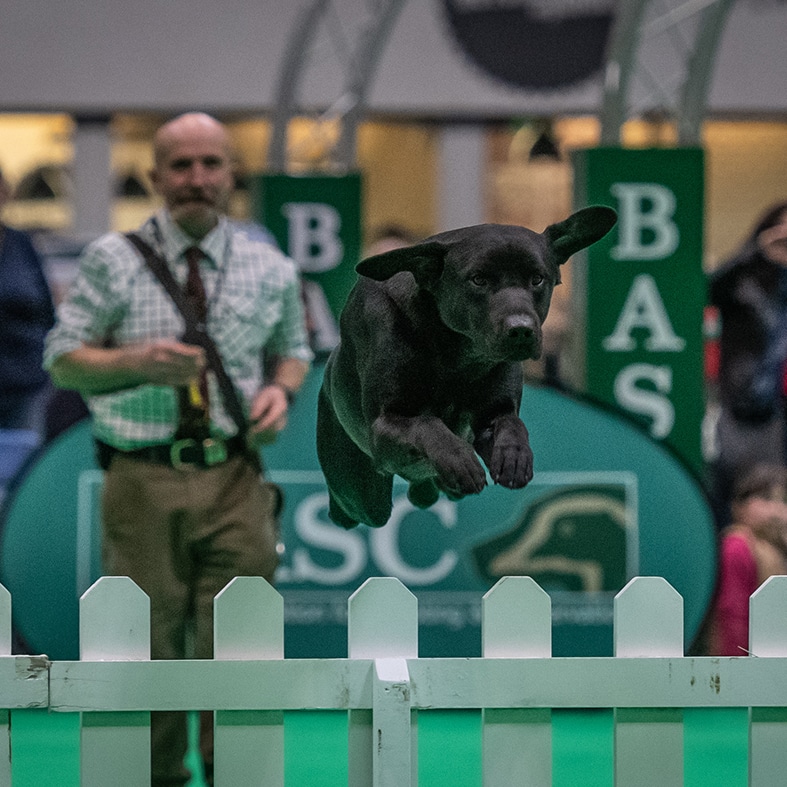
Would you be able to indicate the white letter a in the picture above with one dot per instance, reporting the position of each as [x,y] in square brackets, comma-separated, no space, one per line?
[644,309]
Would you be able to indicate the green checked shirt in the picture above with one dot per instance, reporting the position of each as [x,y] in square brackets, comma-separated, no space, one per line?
[254,304]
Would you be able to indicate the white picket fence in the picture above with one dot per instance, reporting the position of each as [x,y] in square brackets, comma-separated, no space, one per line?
[383,684]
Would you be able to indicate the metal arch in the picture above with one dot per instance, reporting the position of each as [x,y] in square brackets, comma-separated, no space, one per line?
[636,22]
[700,68]
[361,75]
[618,71]
[360,71]
[696,27]
[289,78]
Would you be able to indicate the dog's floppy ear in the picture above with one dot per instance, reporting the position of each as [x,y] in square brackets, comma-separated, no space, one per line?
[423,260]
[579,230]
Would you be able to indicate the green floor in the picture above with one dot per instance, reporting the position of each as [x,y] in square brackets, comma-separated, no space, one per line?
[45,749]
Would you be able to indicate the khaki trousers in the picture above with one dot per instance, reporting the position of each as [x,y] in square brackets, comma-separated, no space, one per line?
[182,535]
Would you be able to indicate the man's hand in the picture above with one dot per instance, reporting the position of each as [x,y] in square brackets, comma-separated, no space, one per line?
[269,409]
[268,415]
[168,362]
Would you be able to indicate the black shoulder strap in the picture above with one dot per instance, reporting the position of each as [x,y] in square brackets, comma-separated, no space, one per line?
[195,331]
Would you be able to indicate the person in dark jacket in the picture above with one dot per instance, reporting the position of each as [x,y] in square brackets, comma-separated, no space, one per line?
[750,292]
[26,314]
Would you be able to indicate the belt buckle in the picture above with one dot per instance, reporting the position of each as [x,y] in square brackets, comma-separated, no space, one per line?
[177,449]
[214,451]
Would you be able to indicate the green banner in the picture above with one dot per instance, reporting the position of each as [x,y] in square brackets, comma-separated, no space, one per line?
[640,292]
[316,220]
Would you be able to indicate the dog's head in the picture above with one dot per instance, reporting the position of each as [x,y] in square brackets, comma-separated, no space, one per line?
[492,282]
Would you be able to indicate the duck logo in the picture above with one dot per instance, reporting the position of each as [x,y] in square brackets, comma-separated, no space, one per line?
[576,539]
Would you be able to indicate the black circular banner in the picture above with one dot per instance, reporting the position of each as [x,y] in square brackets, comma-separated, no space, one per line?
[533,44]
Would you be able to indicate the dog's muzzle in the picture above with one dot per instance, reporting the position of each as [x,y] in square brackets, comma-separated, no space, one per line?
[520,338]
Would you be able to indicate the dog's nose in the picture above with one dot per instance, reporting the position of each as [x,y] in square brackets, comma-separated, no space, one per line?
[518,329]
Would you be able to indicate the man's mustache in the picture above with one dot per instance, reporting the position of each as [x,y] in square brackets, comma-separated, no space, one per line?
[194,196]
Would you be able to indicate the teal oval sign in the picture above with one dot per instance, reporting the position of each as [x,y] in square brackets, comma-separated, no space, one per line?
[607,503]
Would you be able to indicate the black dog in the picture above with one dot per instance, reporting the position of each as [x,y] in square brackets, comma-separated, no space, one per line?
[428,371]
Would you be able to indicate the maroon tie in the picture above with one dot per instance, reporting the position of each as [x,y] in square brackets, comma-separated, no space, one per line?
[195,289]
[194,418]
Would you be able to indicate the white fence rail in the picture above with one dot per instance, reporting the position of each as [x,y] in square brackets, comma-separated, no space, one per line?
[383,684]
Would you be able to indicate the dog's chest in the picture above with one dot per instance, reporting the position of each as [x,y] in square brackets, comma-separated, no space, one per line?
[458,419]
[455,399]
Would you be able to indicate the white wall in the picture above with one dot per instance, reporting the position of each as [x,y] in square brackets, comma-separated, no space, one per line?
[101,56]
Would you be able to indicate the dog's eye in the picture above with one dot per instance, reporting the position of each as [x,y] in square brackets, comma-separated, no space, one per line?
[537,280]
[478,279]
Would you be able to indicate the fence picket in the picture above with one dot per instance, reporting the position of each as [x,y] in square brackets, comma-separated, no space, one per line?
[248,624]
[517,623]
[114,625]
[648,621]
[5,622]
[382,624]
[382,621]
[767,621]
[767,639]
[5,716]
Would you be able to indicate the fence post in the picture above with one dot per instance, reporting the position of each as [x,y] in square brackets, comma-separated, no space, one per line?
[114,625]
[24,683]
[648,622]
[768,637]
[383,625]
[517,742]
[248,624]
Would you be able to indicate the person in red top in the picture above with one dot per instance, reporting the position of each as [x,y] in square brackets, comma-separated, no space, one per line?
[753,548]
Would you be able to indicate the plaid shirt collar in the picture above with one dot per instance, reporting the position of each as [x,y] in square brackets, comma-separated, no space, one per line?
[172,241]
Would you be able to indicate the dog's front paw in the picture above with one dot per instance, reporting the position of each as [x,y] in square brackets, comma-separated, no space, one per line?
[512,466]
[511,462]
[459,473]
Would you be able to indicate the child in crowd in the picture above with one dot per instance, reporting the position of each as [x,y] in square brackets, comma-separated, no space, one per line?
[753,548]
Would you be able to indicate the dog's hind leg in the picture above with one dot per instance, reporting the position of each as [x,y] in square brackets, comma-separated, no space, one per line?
[337,513]
[423,494]
[358,493]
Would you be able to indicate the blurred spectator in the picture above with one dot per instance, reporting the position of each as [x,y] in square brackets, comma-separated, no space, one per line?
[26,314]
[750,293]
[752,549]
[63,410]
